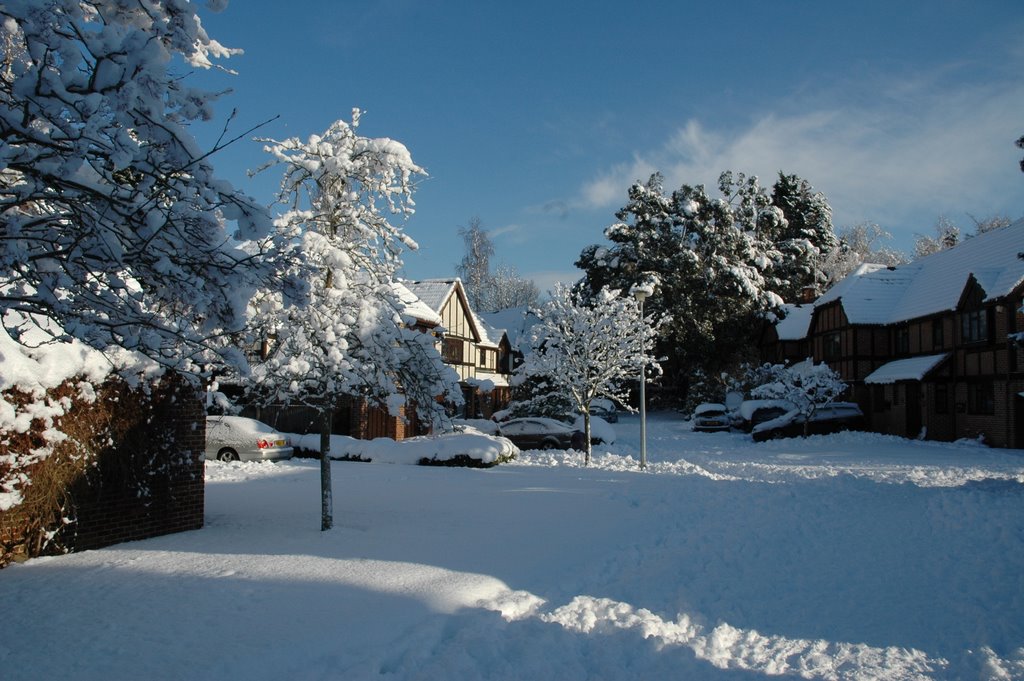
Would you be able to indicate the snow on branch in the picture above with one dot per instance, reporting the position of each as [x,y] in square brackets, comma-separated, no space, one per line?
[585,349]
[115,227]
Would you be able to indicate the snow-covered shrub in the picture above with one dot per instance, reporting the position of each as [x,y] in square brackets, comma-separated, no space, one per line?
[806,385]
[110,442]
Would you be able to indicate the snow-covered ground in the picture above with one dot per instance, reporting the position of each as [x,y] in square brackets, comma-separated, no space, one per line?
[853,556]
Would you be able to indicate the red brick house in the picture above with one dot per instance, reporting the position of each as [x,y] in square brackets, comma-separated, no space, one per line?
[928,347]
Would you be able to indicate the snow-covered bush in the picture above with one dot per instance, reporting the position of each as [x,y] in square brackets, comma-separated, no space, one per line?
[806,385]
[101,442]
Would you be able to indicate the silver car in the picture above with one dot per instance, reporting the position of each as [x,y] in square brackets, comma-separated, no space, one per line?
[236,438]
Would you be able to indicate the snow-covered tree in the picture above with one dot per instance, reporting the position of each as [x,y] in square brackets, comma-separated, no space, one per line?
[475,267]
[487,291]
[590,347]
[114,224]
[722,262]
[806,385]
[859,244]
[341,193]
[992,222]
[506,289]
[946,236]
[802,235]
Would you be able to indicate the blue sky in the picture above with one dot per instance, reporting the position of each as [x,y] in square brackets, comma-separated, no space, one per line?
[536,116]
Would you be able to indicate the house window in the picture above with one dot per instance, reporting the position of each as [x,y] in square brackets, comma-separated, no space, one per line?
[941,399]
[981,398]
[451,350]
[895,394]
[903,341]
[486,358]
[832,345]
[974,326]
[938,339]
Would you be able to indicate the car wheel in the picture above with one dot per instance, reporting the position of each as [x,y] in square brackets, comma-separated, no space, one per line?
[548,444]
[227,455]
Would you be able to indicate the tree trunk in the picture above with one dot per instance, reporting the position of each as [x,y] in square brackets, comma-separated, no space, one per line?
[586,434]
[326,500]
[807,422]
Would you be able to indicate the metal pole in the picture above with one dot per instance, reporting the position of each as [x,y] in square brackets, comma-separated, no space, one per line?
[643,399]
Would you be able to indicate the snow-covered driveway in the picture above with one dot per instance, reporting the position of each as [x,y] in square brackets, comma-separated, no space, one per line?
[844,557]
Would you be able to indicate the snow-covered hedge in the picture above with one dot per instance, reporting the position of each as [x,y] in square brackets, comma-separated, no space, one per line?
[85,465]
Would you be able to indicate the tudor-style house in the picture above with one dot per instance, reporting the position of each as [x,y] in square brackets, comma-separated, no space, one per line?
[479,353]
[928,348]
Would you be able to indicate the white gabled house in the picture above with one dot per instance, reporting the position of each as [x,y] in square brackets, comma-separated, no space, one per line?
[479,353]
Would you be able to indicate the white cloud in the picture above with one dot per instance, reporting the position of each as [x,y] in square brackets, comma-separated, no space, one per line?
[512,232]
[899,153]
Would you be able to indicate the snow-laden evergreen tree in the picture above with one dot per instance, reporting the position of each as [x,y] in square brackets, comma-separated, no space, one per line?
[722,262]
[802,235]
[114,224]
[341,193]
[806,385]
[586,347]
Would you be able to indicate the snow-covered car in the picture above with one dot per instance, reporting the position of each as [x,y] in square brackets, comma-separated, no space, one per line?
[604,409]
[601,432]
[537,433]
[711,417]
[753,412]
[831,418]
[236,438]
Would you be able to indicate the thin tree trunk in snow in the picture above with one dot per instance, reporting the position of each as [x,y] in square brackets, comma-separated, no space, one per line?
[586,434]
[326,500]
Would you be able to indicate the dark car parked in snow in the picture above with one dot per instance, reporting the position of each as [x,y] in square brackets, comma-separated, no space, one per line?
[711,417]
[831,418]
[753,412]
[538,432]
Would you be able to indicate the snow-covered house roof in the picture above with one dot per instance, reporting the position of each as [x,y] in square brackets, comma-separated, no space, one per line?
[435,293]
[911,369]
[413,306]
[796,323]
[933,284]
[516,323]
[489,335]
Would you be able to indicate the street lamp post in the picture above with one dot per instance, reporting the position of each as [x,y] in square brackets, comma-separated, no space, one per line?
[640,293]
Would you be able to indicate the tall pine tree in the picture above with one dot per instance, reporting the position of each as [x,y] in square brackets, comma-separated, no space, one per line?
[724,262]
